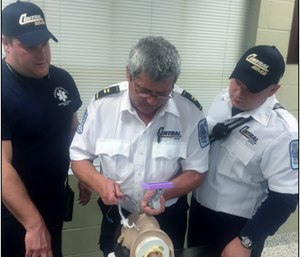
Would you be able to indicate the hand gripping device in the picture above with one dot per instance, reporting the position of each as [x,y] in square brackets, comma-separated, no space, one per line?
[158,187]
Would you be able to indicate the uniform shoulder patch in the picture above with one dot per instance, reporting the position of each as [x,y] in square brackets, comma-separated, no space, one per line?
[187,95]
[203,133]
[294,150]
[107,91]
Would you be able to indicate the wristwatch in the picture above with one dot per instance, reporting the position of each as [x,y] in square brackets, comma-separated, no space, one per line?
[246,242]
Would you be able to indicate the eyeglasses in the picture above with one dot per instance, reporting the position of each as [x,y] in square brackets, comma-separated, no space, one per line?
[145,94]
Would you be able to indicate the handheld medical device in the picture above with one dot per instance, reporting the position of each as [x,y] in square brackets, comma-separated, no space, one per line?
[158,187]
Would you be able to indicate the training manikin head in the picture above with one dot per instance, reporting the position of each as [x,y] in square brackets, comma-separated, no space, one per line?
[147,240]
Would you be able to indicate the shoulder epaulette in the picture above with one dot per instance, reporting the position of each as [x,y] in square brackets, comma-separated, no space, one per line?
[192,99]
[278,106]
[107,91]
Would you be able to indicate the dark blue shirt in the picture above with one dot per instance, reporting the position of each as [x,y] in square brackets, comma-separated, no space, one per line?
[36,118]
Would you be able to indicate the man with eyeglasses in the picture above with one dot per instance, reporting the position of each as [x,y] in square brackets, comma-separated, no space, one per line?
[143,130]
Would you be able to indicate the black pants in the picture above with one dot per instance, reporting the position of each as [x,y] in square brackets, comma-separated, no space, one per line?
[172,221]
[214,229]
[13,238]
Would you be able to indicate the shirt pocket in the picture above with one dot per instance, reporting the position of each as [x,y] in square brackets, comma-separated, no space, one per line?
[114,157]
[166,157]
[238,161]
[242,163]
[240,151]
[169,150]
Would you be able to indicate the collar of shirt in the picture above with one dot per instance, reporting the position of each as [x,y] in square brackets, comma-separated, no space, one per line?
[261,114]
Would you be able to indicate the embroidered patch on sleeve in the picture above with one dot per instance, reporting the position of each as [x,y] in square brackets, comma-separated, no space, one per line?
[80,126]
[203,133]
[294,158]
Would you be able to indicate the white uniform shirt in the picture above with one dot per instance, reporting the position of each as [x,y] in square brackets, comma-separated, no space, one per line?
[131,152]
[260,154]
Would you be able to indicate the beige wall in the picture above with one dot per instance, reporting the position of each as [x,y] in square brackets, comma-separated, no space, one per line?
[274,26]
[80,237]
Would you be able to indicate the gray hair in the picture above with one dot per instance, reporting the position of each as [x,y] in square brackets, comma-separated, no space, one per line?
[156,57]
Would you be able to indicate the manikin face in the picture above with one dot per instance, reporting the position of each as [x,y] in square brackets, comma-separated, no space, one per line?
[244,100]
[30,62]
[147,96]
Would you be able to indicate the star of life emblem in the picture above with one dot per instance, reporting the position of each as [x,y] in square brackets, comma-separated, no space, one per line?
[62,95]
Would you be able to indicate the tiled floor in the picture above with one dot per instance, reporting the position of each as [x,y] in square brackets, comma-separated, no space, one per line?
[282,245]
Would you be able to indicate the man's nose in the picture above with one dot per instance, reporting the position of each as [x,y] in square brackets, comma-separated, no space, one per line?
[152,100]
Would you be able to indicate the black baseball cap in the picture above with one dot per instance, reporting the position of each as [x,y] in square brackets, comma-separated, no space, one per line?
[259,67]
[25,21]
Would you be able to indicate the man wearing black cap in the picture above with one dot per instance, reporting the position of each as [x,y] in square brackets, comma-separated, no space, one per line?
[39,104]
[251,186]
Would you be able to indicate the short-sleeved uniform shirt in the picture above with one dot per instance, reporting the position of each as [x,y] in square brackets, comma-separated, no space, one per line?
[131,152]
[259,155]
[36,118]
